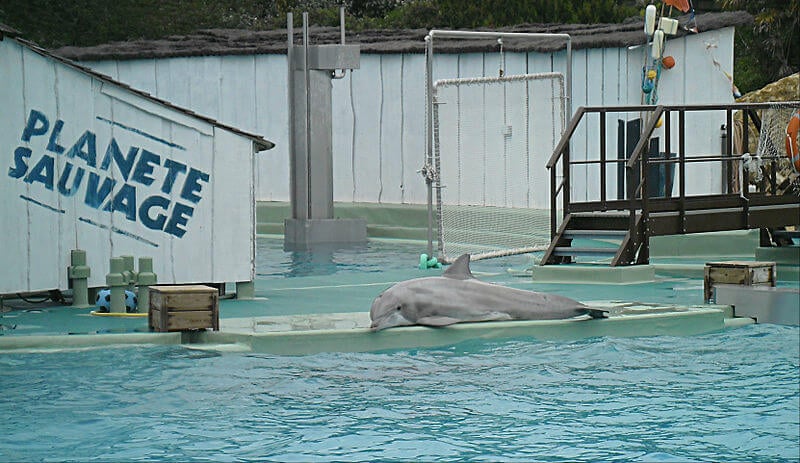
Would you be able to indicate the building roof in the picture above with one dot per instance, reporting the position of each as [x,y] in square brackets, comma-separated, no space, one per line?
[5,31]
[213,42]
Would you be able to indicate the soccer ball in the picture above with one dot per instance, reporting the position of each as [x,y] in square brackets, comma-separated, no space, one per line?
[131,302]
[103,301]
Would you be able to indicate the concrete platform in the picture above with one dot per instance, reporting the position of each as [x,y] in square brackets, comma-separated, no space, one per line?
[294,311]
[787,258]
[308,333]
[765,304]
[349,332]
[593,273]
[785,255]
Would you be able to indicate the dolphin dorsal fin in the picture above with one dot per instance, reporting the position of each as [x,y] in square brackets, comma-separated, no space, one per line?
[459,269]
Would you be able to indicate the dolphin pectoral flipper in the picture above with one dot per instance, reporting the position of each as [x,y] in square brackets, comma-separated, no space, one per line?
[442,320]
[437,321]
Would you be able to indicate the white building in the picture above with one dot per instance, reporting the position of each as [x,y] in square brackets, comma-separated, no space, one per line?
[239,78]
[92,164]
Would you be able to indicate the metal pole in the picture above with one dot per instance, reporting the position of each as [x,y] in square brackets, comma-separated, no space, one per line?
[519,35]
[568,115]
[341,22]
[492,34]
[309,212]
[289,80]
[335,74]
[429,133]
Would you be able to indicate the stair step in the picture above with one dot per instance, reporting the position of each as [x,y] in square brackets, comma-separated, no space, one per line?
[603,221]
[620,214]
[790,235]
[596,233]
[786,233]
[570,251]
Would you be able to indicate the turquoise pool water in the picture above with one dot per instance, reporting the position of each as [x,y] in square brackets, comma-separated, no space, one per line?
[272,260]
[729,396]
[360,264]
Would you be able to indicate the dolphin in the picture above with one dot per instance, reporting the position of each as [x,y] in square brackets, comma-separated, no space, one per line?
[457,296]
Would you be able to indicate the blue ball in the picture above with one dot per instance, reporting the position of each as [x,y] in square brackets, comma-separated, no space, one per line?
[103,301]
[131,302]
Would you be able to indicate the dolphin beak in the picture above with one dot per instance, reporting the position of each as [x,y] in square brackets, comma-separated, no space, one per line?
[389,320]
[376,325]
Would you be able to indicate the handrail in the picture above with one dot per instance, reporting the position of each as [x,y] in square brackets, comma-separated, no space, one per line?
[637,166]
[674,161]
[576,118]
[565,137]
[645,138]
[582,110]
[695,107]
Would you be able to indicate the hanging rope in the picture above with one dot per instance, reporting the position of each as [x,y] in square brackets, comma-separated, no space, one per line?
[502,63]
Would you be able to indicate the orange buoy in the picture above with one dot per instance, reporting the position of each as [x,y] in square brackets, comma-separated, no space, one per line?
[792,143]
[682,5]
[668,62]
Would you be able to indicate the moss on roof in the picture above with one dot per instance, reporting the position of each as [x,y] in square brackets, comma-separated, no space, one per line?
[244,42]
[7,31]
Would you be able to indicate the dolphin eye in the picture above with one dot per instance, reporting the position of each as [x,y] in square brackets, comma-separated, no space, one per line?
[398,307]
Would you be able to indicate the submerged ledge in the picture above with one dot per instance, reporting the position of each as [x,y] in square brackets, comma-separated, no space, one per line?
[349,331]
[43,343]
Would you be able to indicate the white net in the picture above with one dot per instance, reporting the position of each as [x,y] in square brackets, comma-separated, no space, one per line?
[492,139]
[772,137]
[770,152]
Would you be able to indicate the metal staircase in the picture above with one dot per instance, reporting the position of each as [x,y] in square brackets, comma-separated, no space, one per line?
[617,231]
[602,236]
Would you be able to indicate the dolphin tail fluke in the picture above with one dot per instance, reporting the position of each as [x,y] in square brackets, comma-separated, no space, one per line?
[597,313]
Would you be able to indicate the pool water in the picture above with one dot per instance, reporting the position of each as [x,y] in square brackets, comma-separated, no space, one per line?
[272,260]
[729,396]
[389,261]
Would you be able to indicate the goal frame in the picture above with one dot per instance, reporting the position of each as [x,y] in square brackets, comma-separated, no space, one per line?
[429,170]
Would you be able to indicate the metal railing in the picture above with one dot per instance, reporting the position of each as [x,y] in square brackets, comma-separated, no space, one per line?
[637,200]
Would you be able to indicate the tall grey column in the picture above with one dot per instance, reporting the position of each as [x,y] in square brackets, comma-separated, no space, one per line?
[311,68]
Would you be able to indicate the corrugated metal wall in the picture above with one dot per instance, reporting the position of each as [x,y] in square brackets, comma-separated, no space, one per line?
[89,165]
[379,109]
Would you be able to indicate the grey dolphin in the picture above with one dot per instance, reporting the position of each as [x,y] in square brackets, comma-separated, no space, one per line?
[457,296]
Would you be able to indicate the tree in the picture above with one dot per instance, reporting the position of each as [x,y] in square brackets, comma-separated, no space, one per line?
[89,22]
[769,50]
[764,53]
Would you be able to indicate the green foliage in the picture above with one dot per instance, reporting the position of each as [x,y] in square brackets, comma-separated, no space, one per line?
[497,13]
[54,23]
[89,22]
[765,52]
[414,14]
[770,49]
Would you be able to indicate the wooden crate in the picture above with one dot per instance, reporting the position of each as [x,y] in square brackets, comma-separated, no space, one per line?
[737,273]
[183,307]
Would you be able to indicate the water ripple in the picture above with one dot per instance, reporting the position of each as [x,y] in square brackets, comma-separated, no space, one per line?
[727,396]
